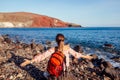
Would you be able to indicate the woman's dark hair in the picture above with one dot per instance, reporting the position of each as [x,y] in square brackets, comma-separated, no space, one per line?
[59,36]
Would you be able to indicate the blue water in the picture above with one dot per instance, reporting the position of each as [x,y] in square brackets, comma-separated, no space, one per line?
[88,37]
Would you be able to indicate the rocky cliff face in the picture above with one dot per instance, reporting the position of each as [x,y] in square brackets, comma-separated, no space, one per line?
[24,19]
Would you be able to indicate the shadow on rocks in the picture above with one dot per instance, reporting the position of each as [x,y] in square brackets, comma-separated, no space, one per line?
[103,67]
[31,69]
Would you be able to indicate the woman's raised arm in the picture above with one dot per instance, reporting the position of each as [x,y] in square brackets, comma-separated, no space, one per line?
[79,55]
[38,57]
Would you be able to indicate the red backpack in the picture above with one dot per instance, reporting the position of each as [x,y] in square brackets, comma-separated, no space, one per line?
[55,63]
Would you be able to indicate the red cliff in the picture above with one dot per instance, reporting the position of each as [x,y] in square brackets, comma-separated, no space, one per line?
[24,19]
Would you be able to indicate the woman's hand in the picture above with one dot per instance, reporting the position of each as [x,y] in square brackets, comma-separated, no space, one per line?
[26,62]
[89,57]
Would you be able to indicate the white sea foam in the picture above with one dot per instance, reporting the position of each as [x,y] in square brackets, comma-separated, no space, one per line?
[102,54]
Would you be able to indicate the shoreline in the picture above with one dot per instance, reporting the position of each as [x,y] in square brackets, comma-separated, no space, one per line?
[13,53]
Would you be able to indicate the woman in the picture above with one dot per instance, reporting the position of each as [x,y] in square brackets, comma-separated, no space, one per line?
[65,49]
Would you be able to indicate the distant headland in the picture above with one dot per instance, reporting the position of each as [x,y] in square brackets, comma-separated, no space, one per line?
[26,19]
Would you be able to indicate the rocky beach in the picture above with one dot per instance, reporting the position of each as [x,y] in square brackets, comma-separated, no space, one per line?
[13,53]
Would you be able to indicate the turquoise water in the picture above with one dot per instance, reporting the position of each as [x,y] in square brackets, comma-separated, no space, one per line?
[91,38]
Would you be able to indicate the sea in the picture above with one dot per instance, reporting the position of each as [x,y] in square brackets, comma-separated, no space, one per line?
[91,39]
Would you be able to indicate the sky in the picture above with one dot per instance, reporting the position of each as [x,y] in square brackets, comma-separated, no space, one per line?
[88,13]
